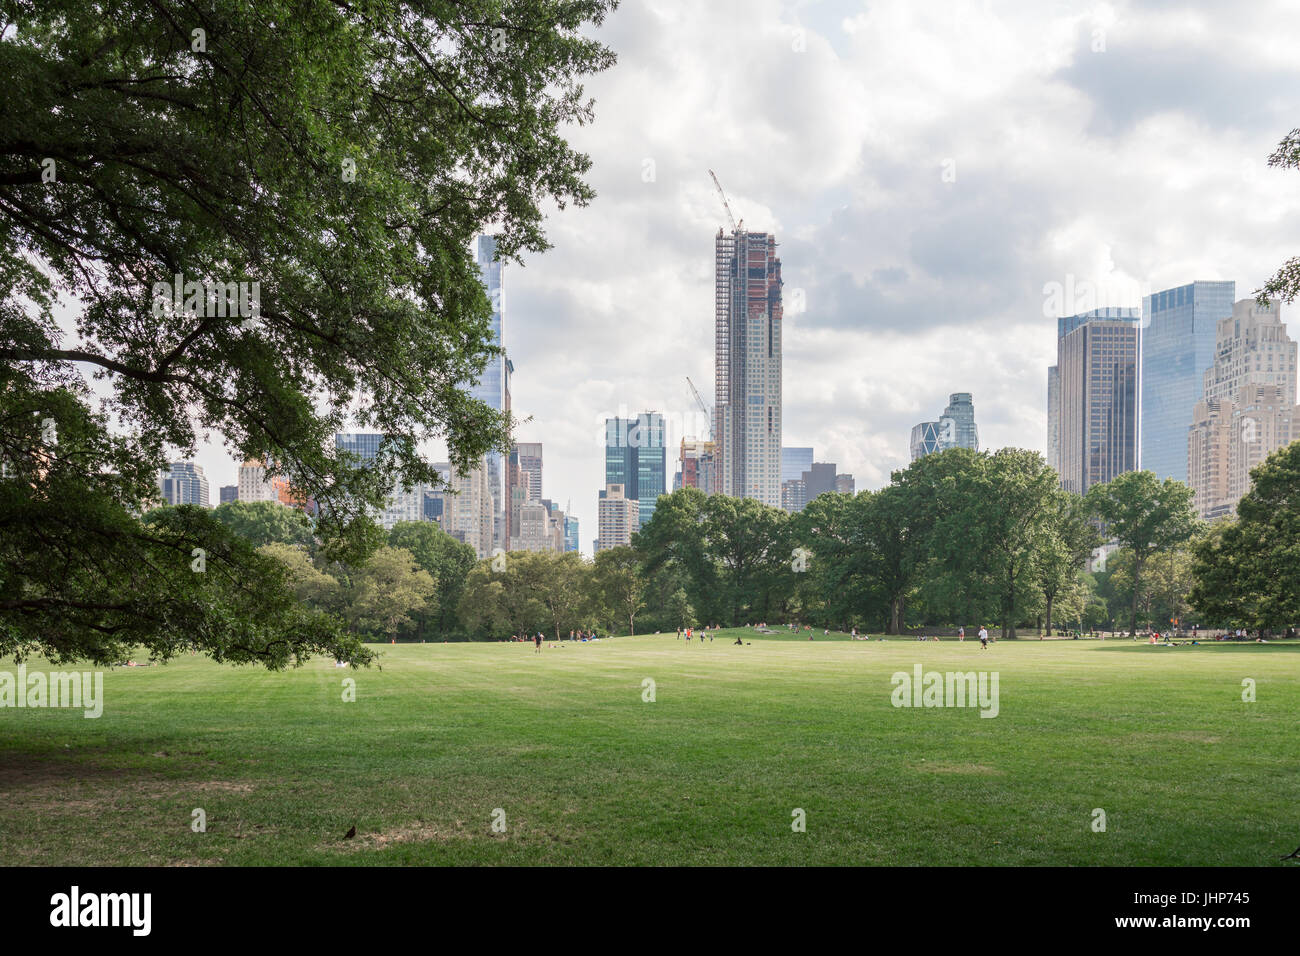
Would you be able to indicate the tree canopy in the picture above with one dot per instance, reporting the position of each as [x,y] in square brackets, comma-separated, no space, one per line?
[262,215]
[1247,572]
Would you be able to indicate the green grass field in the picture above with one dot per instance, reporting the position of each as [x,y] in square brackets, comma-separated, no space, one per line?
[710,772]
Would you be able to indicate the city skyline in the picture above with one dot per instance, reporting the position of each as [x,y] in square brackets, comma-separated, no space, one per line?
[926,247]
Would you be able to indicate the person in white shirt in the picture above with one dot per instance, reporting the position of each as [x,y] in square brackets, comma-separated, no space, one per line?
[984,638]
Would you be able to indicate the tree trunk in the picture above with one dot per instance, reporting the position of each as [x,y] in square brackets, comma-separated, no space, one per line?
[1049,615]
[1137,570]
[895,616]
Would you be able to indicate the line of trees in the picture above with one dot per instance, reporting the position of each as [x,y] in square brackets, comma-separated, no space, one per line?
[957,538]
[966,537]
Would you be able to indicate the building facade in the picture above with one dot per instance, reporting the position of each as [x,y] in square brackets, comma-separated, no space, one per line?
[1177,346]
[697,465]
[1248,409]
[747,365]
[529,465]
[618,517]
[794,462]
[533,528]
[635,457]
[1097,361]
[255,483]
[794,495]
[229,493]
[955,429]
[184,483]
[493,388]
[468,513]
[1054,418]
[819,478]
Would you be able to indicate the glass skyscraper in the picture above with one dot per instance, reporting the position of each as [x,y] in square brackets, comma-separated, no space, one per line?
[365,445]
[1177,348]
[635,458]
[492,386]
[184,484]
[955,428]
[794,462]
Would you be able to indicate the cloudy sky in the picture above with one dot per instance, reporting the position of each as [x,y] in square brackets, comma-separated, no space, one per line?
[938,174]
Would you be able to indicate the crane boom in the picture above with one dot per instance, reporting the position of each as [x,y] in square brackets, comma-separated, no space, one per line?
[699,401]
[725,205]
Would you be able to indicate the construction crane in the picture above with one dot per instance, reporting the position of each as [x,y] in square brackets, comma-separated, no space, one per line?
[730,218]
[708,418]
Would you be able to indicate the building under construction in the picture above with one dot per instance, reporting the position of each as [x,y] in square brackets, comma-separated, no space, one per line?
[747,365]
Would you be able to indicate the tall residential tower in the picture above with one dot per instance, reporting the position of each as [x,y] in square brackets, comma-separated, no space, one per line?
[747,365]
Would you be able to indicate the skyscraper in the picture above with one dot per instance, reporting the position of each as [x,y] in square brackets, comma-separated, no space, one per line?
[570,533]
[493,387]
[467,513]
[229,493]
[363,445]
[794,462]
[533,532]
[747,365]
[1177,347]
[1054,418]
[955,429]
[1249,406]
[1097,361]
[255,484]
[635,457]
[184,484]
[818,479]
[529,457]
[794,496]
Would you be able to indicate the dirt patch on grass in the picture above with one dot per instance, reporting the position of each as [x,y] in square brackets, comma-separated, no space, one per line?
[219,786]
[412,833]
[218,861]
[50,784]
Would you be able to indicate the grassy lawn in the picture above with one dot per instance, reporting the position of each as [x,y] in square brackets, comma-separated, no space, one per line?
[737,738]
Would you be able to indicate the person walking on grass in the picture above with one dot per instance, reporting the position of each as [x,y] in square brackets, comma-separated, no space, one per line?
[537,641]
[984,638]
[961,633]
